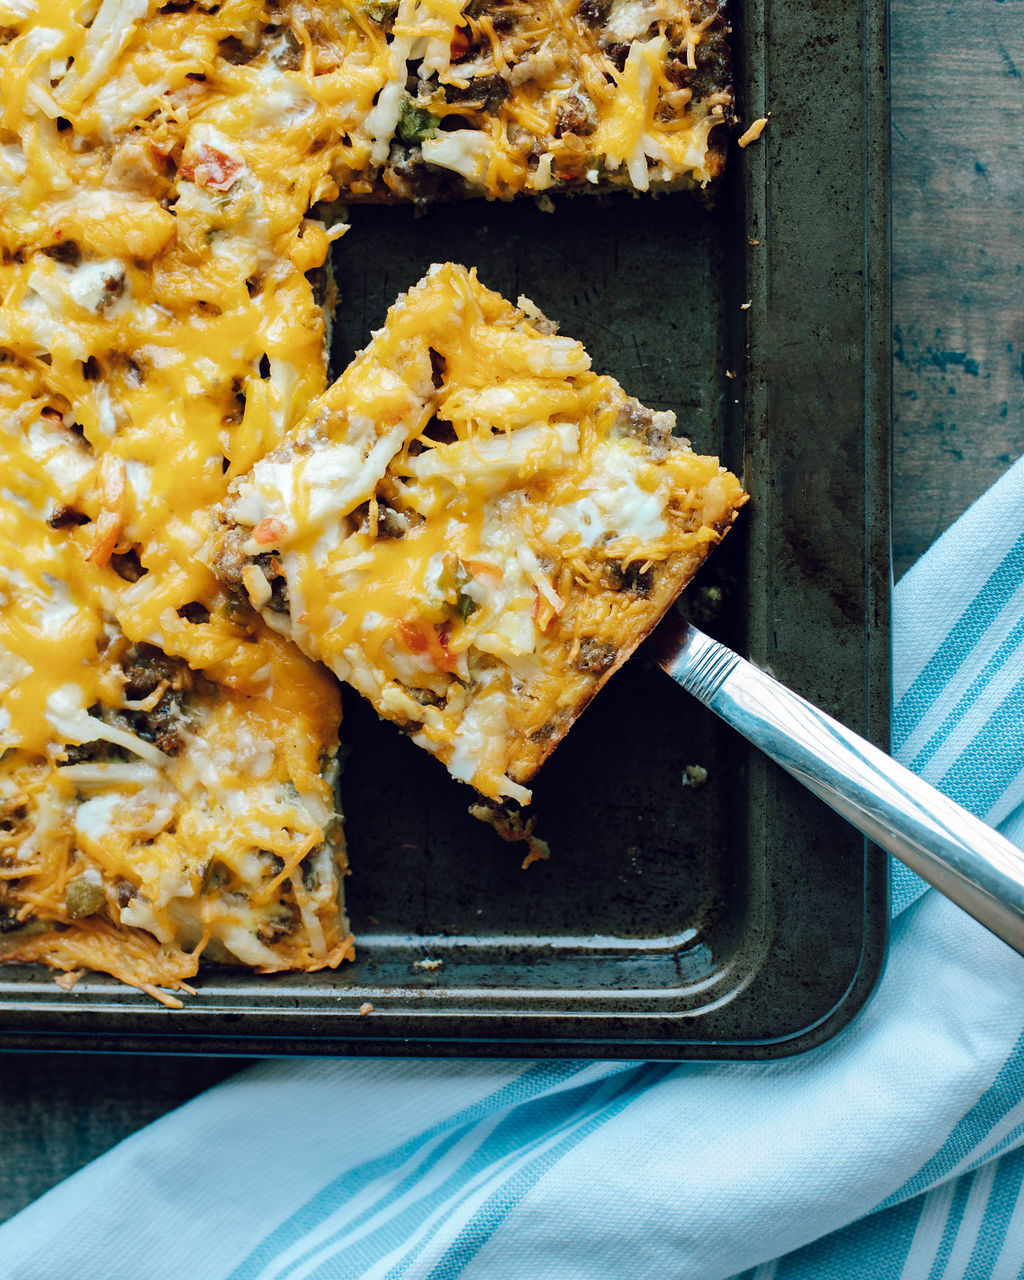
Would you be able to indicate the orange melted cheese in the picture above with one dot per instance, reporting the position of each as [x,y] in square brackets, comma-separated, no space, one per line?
[160,335]
[535,95]
[454,519]
[158,329]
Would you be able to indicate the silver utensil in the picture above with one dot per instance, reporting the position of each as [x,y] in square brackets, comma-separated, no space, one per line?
[963,858]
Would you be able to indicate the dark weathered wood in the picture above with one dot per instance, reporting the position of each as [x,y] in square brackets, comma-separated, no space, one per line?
[958,301]
[958,258]
[59,1111]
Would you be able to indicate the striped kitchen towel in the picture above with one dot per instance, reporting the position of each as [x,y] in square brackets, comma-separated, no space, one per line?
[896,1149]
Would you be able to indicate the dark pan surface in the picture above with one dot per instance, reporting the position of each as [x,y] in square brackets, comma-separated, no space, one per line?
[737,919]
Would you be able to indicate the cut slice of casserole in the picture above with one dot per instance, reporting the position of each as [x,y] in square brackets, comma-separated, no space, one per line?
[502,97]
[473,528]
[165,787]
[150,813]
[166,782]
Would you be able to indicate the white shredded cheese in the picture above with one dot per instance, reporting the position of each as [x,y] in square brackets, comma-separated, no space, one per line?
[463,151]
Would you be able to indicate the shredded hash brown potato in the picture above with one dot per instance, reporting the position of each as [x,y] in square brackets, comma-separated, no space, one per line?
[166,787]
[167,776]
[473,528]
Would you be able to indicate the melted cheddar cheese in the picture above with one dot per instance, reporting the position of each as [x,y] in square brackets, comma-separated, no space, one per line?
[527,96]
[473,528]
[166,782]
[166,791]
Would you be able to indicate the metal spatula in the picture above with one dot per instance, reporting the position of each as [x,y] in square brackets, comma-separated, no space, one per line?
[947,846]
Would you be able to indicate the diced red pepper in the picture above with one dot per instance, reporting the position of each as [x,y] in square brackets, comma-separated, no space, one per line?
[568,171]
[412,636]
[418,638]
[460,44]
[482,569]
[448,659]
[269,530]
[108,533]
[160,151]
[212,169]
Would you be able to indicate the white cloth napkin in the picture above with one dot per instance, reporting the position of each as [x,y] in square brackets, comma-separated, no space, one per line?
[896,1149]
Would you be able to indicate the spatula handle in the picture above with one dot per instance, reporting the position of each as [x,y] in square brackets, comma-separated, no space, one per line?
[960,855]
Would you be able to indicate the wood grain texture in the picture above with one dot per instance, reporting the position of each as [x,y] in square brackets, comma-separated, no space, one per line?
[958,301]
[958,258]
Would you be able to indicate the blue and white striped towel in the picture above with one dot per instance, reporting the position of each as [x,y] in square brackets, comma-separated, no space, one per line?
[897,1149]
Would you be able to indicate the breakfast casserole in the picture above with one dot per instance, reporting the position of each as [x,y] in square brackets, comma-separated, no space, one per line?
[473,528]
[168,180]
[166,788]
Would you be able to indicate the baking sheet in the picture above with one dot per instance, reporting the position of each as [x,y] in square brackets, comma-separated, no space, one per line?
[737,919]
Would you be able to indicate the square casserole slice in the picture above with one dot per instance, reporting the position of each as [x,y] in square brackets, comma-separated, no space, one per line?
[502,99]
[473,529]
[150,814]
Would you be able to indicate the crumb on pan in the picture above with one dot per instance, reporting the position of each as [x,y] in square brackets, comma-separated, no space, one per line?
[753,133]
[539,852]
[67,980]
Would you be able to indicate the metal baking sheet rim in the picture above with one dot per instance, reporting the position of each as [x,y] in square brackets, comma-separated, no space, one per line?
[293,1018]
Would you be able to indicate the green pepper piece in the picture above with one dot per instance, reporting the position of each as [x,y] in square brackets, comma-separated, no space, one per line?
[382,10]
[83,898]
[415,122]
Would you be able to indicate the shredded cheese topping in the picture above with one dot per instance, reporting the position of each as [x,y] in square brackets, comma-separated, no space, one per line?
[166,787]
[163,175]
[473,528]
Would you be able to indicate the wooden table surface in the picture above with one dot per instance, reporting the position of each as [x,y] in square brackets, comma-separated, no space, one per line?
[958,305]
